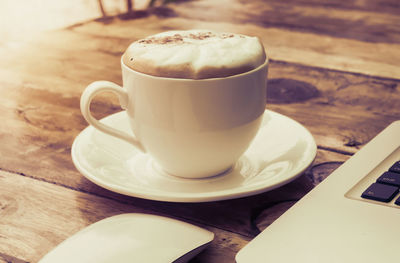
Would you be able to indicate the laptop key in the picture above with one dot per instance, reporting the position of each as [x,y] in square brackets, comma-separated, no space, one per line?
[380,192]
[395,167]
[390,178]
[397,202]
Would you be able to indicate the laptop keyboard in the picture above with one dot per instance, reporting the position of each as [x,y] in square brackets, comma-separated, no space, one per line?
[386,186]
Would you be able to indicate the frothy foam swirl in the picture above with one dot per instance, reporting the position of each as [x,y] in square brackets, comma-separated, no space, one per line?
[195,54]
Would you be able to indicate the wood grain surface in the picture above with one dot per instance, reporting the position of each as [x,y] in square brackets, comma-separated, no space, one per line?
[334,67]
[361,40]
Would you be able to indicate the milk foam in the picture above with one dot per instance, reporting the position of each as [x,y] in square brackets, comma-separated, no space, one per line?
[195,54]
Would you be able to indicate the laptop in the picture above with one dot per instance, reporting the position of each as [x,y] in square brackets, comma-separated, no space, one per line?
[352,216]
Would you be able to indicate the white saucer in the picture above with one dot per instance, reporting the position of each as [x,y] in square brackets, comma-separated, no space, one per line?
[281,151]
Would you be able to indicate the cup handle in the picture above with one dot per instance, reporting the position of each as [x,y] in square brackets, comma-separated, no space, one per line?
[87,96]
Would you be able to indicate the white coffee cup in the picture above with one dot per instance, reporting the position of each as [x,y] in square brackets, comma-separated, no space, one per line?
[191,128]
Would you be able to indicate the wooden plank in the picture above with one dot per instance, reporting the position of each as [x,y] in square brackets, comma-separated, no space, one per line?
[351,108]
[299,31]
[364,42]
[381,6]
[36,216]
[9,259]
[364,25]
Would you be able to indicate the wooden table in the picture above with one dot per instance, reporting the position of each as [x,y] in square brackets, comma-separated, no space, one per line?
[335,68]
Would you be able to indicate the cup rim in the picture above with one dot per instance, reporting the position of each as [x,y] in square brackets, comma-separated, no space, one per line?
[197,80]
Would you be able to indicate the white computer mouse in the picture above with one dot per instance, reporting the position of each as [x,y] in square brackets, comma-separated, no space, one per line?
[132,238]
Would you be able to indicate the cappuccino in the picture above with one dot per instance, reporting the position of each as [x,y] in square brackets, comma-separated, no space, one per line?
[195,54]
[194,100]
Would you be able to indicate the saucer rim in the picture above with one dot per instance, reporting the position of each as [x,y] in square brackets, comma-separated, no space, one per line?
[185,197]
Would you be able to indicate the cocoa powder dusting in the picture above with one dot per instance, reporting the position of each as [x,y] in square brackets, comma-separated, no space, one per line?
[224,36]
[178,38]
[201,35]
